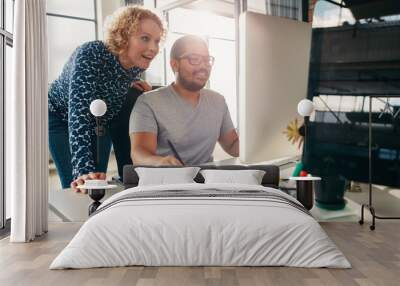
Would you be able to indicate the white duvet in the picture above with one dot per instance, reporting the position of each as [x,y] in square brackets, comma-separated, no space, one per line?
[200,231]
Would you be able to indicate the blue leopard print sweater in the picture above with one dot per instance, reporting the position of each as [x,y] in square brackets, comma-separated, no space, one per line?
[92,72]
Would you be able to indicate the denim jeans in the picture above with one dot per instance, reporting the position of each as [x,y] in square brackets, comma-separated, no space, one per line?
[61,153]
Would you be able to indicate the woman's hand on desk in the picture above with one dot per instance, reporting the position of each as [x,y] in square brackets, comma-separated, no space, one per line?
[81,180]
[142,85]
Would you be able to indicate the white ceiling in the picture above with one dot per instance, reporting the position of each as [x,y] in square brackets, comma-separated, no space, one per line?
[220,7]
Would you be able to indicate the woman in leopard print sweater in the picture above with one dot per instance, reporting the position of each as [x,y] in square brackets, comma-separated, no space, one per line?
[98,70]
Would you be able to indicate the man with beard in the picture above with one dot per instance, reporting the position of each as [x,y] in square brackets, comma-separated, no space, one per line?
[181,123]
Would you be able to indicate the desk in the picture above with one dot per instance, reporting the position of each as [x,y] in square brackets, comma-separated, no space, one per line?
[282,163]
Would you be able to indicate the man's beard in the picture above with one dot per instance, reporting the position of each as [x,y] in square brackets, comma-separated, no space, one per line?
[190,85]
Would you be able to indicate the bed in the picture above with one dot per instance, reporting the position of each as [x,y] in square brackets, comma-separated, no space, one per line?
[201,224]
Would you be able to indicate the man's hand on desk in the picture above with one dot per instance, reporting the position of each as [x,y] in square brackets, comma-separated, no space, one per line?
[169,161]
[81,180]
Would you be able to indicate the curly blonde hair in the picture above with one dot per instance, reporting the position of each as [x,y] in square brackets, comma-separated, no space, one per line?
[124,22]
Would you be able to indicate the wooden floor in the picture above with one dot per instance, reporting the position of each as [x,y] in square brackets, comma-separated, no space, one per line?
[375,256]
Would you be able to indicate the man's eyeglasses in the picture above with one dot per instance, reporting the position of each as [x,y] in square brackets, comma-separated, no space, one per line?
[195,59]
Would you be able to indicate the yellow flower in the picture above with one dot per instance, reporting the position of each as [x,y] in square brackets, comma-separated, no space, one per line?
[293,134]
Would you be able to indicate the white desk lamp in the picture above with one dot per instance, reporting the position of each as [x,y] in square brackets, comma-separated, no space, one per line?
[304,185]
[305,107]
[98,108]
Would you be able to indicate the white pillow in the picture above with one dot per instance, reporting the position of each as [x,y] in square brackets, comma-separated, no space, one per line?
[248,177]
[162,176]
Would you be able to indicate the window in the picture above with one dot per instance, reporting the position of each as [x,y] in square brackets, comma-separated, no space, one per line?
[9,15]
[223,76]
[281,8]
[70,23]
[6,44]
[354,51]
[327,15]
[219,32]
[74,8]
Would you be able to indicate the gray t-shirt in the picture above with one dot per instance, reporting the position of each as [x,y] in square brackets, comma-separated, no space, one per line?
[193,131]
